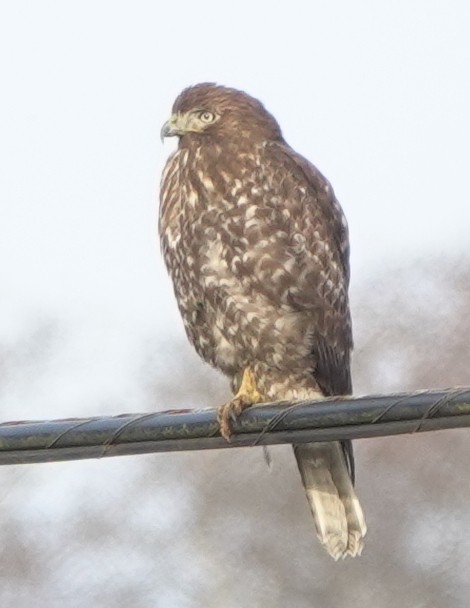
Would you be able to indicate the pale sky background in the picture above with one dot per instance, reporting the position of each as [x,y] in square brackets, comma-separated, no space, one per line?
[375,93]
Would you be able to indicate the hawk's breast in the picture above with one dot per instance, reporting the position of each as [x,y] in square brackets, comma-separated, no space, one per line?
[233,259]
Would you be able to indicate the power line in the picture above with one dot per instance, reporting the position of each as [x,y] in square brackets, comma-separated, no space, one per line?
[179,430]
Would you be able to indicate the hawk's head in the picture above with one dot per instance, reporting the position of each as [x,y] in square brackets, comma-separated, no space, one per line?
[211,110]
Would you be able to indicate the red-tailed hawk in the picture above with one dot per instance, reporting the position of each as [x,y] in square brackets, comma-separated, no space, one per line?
[257,247]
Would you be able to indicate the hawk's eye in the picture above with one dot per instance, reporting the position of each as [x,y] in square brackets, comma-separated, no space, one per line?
[207,117]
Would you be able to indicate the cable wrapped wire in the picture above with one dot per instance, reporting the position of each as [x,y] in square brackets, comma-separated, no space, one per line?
[177,430]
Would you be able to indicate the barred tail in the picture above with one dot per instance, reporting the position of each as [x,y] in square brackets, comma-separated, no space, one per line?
[326,469]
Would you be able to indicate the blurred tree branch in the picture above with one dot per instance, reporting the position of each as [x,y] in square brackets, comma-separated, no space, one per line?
[178,430]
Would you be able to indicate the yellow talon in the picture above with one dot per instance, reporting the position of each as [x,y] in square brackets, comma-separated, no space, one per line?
[248,390]
[246,396]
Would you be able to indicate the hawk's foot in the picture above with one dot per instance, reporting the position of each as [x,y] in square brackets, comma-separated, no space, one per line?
[246,396]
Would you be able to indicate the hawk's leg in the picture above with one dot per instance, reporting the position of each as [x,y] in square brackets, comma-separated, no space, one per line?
[247,395]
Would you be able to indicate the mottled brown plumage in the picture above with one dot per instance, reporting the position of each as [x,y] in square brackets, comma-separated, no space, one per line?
[257,248]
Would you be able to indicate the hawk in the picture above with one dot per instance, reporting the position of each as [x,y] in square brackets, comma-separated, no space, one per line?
[257,248]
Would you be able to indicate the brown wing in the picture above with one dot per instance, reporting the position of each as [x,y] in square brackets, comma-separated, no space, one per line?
[325,228]
[332,340]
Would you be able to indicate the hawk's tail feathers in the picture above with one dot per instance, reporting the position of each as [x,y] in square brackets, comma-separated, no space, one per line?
[338,515]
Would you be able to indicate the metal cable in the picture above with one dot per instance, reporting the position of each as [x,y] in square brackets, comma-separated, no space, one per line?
[275,423]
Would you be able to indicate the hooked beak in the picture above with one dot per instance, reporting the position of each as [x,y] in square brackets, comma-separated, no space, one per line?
[168,129]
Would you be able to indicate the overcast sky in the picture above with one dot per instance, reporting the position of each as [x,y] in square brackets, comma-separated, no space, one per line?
[376,94]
